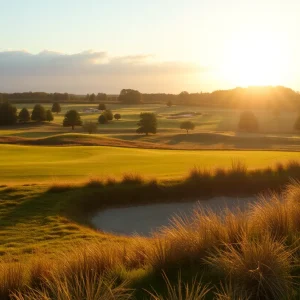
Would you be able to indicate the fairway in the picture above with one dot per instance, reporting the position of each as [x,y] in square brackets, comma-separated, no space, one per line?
[24,164]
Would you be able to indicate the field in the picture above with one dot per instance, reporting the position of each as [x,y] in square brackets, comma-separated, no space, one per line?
[33,164]
[53,179]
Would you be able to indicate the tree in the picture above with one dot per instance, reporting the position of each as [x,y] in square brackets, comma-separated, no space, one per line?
[56,107]
[24,115]
[169,103]
[147,123]
[92,97]
[8,114]
[187,125]
[297,123]
[101,97]
[184,97]
[49,116]
[38,113]
[102,119]
[128,96]
[90,126]
[117,116]
[87,97]
[108,114]
[102,106]
[72,118]
[248,122]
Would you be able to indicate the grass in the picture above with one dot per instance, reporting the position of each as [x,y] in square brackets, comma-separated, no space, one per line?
[206,257]
[69,164]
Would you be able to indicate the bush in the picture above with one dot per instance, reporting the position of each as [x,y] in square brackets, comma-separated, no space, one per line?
[248,122]
[8,114]
[117,116]
[187,125]
[24,115]
[90,126]
[147,123]
[102,119]
[72,118]
[39,113]
[49,116]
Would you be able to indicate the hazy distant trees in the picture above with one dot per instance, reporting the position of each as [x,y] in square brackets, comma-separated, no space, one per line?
[101,97]
[72,118]
[24,115]
[102,106]
[8,114]
[297,123]
[102,119]
[38,113]
[128,96]
[248,122]
[169,103]
[49,116]
[147,123]
[184,97]
[117,116]
[187,125]
[56,107]
[90,126]
[92,97]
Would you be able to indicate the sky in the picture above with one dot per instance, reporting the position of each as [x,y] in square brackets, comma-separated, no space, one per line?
[153,46]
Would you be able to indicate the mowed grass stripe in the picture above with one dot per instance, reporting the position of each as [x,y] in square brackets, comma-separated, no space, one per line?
[39,163]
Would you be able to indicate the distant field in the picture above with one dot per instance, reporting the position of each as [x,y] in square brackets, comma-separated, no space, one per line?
[21,164]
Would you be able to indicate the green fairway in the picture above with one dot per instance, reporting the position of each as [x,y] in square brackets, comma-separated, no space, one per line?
[40,164]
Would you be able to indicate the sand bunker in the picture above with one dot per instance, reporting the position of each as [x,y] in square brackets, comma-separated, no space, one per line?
[143,220]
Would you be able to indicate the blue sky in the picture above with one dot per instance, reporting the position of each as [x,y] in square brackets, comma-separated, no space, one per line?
[220,39]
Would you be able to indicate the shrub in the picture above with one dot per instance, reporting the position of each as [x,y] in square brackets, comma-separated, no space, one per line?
[56,107]
[248,122]
[117,116]
[90,126]
[102,119]
[24,115]
[108,114]
[187,125]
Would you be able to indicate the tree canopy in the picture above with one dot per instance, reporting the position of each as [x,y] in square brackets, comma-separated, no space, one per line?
[24,115]
[248,122]
[117,116]
[56,107]
[102,106]
[49,116]
[72,118]
[128,96]
[38,113]
[101,97]
[187,125]
[108,114]
[8,114]
[102,119]
[147,123]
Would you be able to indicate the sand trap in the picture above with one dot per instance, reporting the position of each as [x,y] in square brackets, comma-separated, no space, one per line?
[145,219]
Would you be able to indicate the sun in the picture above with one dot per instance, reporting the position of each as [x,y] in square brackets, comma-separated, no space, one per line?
[255,59]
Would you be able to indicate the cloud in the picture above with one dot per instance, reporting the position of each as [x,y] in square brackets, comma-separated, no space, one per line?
[19,69]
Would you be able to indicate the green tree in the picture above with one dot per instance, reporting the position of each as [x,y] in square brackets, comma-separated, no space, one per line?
[90,126]
[187,125]
[101,97]
[24,115]
[49,116]
[108,114]
[297,123]
[72,118]
[102,106]
[92,97]
[38,113]
[8,114]
[102,119]
[56,107]
[147,123]
[117,116]
[248,122]
[128,96]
